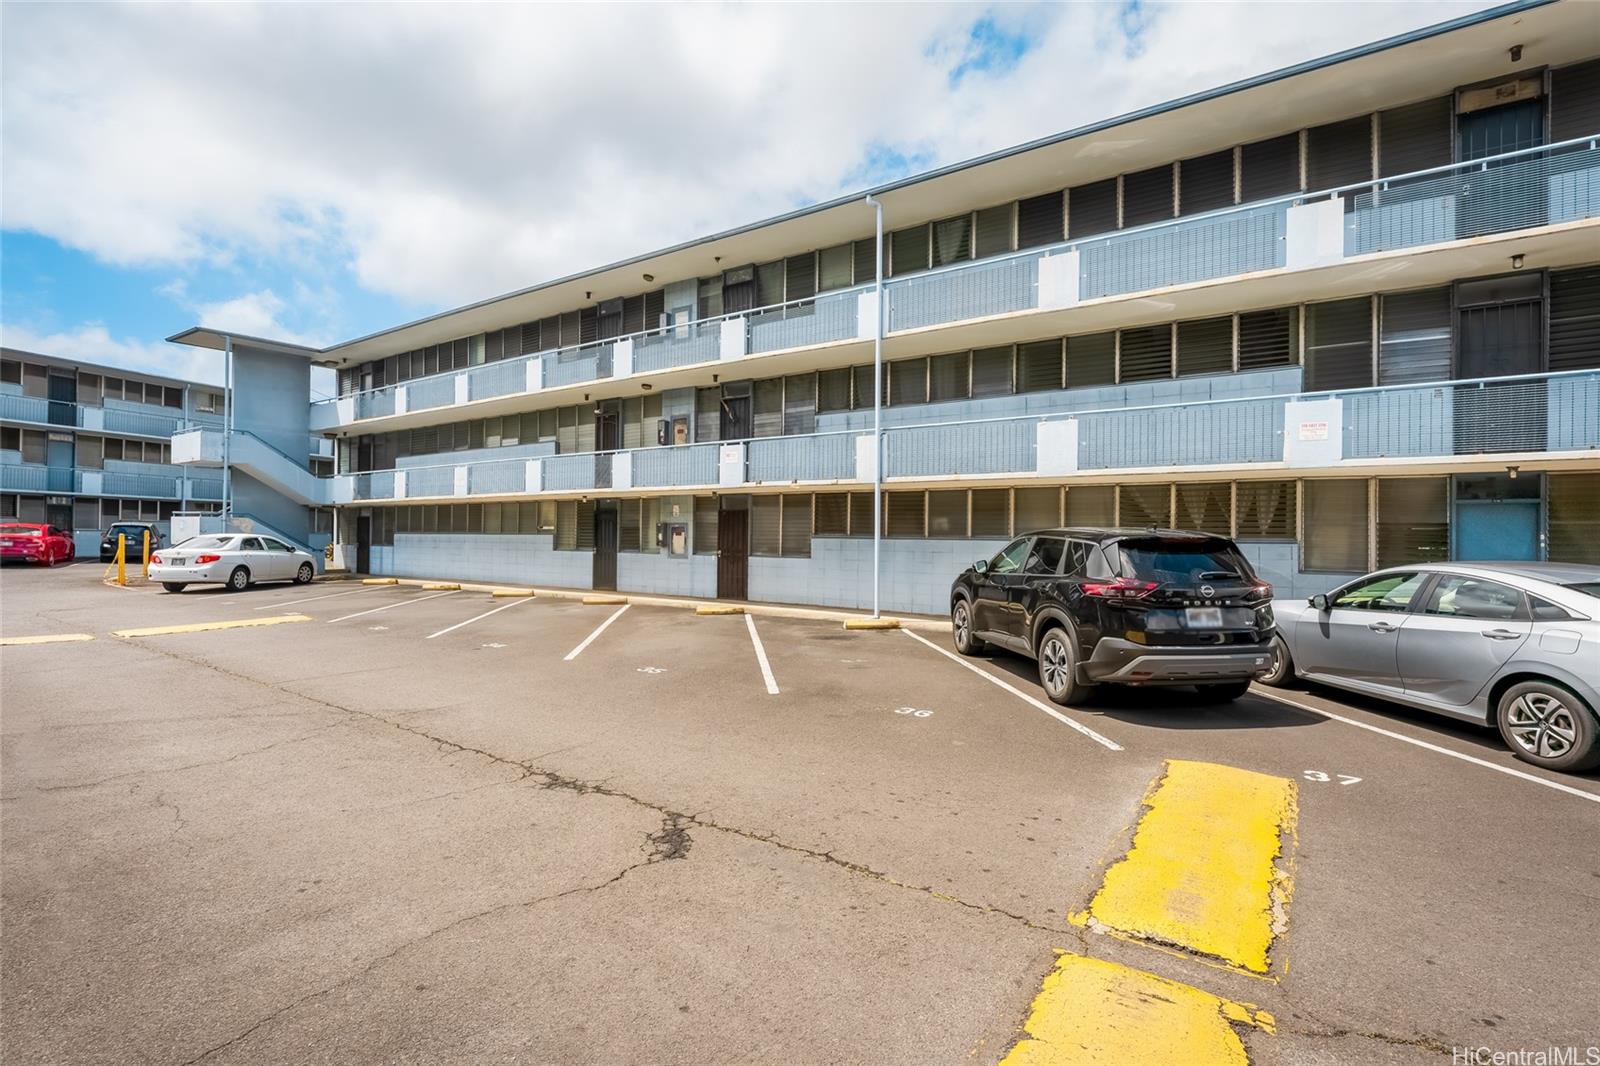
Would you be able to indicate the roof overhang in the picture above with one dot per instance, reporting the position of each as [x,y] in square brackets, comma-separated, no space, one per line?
[1414,66]
[216,339]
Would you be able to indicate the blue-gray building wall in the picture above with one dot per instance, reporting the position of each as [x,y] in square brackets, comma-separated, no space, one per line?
[252,499]
[271,400]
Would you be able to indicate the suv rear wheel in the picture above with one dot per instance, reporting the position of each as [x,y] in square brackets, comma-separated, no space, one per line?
[1058,669]
[961,629]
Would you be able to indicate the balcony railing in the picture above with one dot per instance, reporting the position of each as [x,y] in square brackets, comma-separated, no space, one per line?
[89,417]
[147,480]
[1517,190]
[1532,413]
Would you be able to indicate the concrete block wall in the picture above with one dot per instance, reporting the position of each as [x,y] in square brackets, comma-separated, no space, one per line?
[657,572]
[1278,562]
[915,574]
[520,558]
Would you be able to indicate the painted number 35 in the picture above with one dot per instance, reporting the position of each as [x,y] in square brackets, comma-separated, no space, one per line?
[1318,775]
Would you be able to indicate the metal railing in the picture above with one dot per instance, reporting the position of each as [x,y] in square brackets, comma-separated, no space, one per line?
[1528,413]
[67,413]
[678,345]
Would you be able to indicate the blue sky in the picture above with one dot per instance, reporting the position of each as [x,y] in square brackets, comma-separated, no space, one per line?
[319,172]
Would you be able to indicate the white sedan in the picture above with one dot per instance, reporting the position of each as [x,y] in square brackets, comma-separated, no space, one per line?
[236,560]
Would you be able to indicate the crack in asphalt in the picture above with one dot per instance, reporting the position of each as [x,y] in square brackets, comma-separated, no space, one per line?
[78,786]
[1334,1032]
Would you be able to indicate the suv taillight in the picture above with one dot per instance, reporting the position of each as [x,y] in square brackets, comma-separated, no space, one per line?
[201,559]
[1125,588]
[1259,590]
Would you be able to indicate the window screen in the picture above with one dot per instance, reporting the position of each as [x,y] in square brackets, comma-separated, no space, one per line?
[947,513]
[1574,517]
[708,414]
[861,514]
[1266,510]
[1413,520]
[1575,319]
[993,235]
[1336,525]
[1269,168]
[628,526]
[566,525]
[863,386]
[832,518]
[903,514]
[799,403]
[947,377]
[1147,196]
[765,514]
[796,526]
[1575,101]
[1205,347]
[1269,338]
[767,403]
[705,525]
[833,390]
[1039,366]
[863,253]
[1037,509]
[1207,507]
[1146,353]
[1141,506]
[1091,360]
[908,250]
[800,276]
[1414,137]
[1339,153]
[1092,209]
[952,240]
[834,268]
[1339,345]
[1414,338]
[1039,220]
[991,512]
[1092,506]
[991,372]
[908,381]
[1205,183]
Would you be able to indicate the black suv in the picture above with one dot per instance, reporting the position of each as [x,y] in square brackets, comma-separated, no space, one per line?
[1120,606]
[135,532]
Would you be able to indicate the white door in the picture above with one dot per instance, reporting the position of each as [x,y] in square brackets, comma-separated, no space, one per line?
[284,561]
[254,555]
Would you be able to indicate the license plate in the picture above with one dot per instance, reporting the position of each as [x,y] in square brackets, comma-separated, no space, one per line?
[176,561]
[1204,617]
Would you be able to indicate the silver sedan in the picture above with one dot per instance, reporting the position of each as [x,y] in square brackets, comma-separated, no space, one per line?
[236,560]
[1514,645]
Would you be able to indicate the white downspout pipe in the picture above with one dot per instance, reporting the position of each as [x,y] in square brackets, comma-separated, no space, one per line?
[227,431]
[877,406]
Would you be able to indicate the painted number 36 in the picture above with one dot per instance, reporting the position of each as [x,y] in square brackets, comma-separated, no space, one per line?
[1318,775]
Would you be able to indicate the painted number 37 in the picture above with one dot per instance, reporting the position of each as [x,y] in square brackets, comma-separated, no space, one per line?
[1318,775]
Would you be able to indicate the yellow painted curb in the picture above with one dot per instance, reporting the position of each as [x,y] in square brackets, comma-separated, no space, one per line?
[872,623]
[521,594]
[54,638]
[604,601]
[380,581]
[718,608]
[201,627]
[1094,1011]
[1203,872]
[441,586]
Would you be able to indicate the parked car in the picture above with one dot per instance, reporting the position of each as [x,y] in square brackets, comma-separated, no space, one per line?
[1513,645]
[1120,606]
[34,542]
[135,532]
[236,560]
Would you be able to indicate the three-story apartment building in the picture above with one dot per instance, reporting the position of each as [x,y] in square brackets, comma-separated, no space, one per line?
[1347,312]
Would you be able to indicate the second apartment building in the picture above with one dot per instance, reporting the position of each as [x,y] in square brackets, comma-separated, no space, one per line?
[1348,313]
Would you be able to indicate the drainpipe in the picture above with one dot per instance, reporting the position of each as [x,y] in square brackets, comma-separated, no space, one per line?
[227,430]
[877,405]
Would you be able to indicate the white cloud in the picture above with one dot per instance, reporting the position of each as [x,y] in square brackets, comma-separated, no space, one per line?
[449,152]
[94,343]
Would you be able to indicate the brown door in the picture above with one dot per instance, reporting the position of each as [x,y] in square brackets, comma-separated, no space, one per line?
[733,555]
[605,548]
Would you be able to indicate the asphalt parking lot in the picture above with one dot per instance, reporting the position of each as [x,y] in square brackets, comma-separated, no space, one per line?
[397,824]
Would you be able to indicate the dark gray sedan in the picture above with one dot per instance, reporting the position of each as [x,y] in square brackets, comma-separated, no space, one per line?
[1516,645]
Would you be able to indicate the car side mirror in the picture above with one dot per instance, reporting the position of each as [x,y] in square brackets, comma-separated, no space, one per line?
[981,566]
[1319,601]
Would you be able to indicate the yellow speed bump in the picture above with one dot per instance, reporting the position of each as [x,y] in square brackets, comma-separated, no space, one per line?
[512,593]
[440,586]
[201,627]
[1089,1011]
[604,601]
[872,623]
[1203,872]
[718,608]
[52,638]
[380,581]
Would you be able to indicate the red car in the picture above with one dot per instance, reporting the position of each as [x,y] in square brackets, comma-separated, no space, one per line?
[29,542]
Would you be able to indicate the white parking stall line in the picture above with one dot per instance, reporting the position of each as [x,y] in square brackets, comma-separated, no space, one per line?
[761,656]
[485,614]
[1558,786]
[601,628]
[392,606]
[1017,692]
[313,599]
